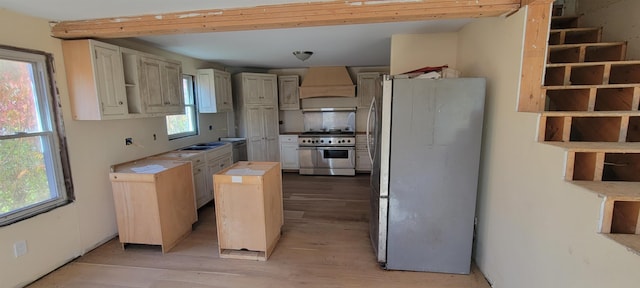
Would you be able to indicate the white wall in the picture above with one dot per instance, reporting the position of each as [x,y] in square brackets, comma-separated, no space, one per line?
[58,236]
[535,230]
[619,19]
[414,51]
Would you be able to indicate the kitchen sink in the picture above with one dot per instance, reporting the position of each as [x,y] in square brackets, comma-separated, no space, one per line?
[211,144]
[197,148]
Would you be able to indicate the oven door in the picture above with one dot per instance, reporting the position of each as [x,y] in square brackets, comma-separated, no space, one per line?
[307,158]
[336,157]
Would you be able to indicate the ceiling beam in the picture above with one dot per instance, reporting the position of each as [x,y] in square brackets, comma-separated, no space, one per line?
[307,14]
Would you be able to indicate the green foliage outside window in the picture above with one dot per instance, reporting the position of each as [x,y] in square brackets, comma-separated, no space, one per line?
[23,177]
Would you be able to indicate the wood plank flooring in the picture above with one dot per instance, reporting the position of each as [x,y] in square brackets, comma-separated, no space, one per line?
[325,243]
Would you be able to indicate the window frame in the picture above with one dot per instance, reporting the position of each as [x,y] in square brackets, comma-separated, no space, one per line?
[53,138]
[193,104]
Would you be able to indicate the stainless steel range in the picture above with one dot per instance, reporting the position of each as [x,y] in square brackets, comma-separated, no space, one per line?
[328,146]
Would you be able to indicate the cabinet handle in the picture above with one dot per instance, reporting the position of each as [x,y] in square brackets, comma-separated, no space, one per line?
[120,103]
[221,165]
[167,102]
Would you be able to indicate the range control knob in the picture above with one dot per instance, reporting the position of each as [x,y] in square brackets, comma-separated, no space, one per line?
[304,141]
[349,141]
[321,141]
[329,141]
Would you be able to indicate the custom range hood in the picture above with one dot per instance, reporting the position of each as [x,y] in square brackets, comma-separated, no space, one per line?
[327,81]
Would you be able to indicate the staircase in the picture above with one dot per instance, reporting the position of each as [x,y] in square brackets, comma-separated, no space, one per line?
[592,110]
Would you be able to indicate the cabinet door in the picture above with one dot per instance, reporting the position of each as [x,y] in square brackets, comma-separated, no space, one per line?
[289,155]
[271,133]
[201,187]
[222,90]
[288,96]
[206,91]
[151,84]
[269,90]
[161,86]
[172,97]
[110,80]
[368,86]
[252,87]
[255,133]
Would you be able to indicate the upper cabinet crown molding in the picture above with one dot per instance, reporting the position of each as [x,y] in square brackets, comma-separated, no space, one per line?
[214,91]
[111,82]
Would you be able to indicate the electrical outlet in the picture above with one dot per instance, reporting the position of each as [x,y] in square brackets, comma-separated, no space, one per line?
[128,141]
[210,127]
[154,137]
[19,248]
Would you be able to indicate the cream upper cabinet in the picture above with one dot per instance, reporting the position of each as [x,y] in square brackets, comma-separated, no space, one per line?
[110,82]
[214,91]
[260,89]
[161,86]
[288,95]
[369,83]
[95,79]
[257,114]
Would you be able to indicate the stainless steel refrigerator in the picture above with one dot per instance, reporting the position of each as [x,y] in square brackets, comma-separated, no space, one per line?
[424,138]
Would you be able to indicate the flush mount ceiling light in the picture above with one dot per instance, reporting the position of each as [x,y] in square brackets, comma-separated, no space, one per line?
[302,55]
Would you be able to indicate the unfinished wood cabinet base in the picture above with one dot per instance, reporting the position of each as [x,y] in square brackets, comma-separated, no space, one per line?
[249,213]
[155,207]
[248,254]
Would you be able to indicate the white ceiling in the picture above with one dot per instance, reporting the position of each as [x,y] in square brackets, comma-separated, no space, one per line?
[345,45]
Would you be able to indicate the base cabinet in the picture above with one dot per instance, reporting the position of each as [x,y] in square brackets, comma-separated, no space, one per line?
[154,201]
[289,152]
[249,213]
[363,162]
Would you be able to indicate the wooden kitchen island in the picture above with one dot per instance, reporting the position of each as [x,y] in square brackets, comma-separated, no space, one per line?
[248,201]
[154,201]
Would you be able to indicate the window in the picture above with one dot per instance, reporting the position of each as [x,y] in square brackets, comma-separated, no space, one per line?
[32,152]
[179,126]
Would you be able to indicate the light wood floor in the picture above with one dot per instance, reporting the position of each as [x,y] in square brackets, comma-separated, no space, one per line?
[325,243]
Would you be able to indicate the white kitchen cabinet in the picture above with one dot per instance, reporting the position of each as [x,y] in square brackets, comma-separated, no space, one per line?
[288,93]
[161,86]
[259,88]
[95,79]
[262,135]
[289,152]
[369,84]
[204,164]
[217,159]
[214,91]
[257,115]
[363,162]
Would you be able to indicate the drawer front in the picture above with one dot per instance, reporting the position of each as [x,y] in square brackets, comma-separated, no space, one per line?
[198,160]
[218,152]
[289,139]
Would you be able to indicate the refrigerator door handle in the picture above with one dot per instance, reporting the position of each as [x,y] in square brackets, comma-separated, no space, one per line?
[373,101]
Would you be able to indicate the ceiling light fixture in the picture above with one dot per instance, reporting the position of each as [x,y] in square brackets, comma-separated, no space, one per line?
[302,55]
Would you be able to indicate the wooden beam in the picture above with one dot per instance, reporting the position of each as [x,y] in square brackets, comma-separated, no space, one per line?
[282,16]
[531,98]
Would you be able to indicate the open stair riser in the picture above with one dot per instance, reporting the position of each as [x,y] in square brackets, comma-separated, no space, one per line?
[592,109]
